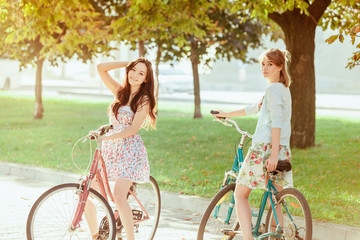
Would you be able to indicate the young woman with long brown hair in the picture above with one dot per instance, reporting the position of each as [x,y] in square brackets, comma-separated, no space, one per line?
[123,149]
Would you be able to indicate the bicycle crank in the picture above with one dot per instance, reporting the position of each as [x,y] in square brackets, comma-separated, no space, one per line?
[104,229]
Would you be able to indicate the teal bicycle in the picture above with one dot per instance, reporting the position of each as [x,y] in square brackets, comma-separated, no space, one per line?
[289,216]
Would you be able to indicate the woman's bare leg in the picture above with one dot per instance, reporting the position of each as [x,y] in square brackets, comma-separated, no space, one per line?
[243,210]
[121,190]
[90,212]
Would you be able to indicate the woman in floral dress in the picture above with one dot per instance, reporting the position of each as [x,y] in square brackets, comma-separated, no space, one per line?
[271,140]
[123,150]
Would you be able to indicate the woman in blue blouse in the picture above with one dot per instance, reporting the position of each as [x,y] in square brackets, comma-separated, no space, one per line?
[271,141]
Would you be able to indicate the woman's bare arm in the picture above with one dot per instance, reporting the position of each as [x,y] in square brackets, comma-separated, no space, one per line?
[110,83]
[272,161]
[238,113]
[136,124]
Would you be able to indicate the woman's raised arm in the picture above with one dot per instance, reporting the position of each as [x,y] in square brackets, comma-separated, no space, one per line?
[110,83]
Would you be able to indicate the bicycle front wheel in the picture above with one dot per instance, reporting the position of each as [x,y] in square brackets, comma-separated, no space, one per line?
[53,212]
[219,220]
[294,216]
[148,204]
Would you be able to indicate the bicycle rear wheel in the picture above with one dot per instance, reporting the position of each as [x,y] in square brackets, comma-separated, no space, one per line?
[220,216]
[52,214]
[294,218]
[149,196]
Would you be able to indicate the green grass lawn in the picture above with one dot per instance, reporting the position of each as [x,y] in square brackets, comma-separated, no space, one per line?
[187,156]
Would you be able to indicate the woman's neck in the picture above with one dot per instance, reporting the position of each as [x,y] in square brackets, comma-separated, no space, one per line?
[134,90]
[274,79]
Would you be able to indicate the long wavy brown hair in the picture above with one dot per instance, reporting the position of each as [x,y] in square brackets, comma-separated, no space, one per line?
[144,96]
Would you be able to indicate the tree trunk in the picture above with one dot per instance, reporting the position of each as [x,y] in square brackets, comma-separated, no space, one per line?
[299,31]
[302,71]
[141,48]
[39,109]
[194,63]
[157,63]
[63,71]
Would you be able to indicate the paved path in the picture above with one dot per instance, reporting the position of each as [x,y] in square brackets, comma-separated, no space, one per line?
[180,214]
[21,193]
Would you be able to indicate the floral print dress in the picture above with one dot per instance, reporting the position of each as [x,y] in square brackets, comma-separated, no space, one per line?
[125,158]
[253,172]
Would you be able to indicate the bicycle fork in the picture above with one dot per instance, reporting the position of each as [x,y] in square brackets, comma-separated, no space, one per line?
[229,176]
[83,192]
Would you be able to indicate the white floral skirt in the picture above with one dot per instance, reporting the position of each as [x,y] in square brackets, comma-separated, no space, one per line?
[127,159]
[253,172]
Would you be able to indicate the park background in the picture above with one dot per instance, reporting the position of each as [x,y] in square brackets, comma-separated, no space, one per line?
[189,156]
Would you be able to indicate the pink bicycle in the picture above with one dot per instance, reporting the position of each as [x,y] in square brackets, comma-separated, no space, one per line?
[59,212]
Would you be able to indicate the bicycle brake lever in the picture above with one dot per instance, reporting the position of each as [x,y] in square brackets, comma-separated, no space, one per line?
[226,123]
[218,120]
[223,122]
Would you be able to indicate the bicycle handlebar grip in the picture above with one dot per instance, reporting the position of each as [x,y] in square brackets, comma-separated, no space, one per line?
[104,129]
[216,112]
[100,131]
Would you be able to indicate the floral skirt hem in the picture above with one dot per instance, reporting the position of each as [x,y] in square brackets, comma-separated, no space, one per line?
[253,172]
[126,158]
[142,180]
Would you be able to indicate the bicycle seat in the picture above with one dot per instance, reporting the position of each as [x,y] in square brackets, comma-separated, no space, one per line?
[282,166]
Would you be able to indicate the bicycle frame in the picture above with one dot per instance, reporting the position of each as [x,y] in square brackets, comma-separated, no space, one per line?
[268,194]
[98,171]
[230,176]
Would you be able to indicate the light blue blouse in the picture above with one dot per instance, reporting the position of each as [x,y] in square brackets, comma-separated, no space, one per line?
[275,112]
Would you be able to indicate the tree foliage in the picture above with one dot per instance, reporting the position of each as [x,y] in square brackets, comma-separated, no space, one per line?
[52,30]
[59,29]
[344,16]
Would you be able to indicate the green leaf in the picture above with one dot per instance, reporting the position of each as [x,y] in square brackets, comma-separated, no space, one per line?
[341,38]
[10,38]
[331,39]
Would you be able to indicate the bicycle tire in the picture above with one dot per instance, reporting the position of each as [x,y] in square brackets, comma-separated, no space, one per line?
[51,215]
[149,195]
[210,226]
[300,227]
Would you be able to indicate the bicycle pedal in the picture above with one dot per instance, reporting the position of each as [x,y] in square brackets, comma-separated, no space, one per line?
[230,233]
[137,214]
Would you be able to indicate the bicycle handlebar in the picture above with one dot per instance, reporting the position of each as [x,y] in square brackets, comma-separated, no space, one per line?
[225,121]
[99,132]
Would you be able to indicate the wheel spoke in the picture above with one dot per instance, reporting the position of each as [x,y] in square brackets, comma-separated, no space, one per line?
[219,220]
[149,196]
[52,214]
[294,215]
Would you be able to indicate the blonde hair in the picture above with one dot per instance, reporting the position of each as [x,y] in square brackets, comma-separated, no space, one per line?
[279,58]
